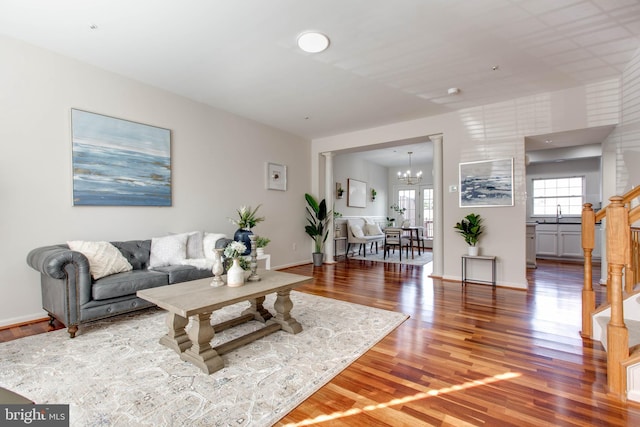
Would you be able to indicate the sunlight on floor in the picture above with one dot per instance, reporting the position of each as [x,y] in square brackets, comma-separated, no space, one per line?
[407,399]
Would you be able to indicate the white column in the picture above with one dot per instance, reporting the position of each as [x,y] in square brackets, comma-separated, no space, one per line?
[328,196]
[438,209]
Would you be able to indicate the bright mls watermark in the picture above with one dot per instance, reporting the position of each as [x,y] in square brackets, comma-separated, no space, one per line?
[34,415]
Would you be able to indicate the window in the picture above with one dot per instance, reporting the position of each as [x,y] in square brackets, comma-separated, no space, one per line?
[407,200]
[553,196]
[427,211]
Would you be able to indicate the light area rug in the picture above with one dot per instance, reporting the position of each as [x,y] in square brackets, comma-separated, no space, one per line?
[115,373]
[423,259]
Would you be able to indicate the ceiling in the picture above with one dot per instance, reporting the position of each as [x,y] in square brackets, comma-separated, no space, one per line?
[396,155]
[388,61]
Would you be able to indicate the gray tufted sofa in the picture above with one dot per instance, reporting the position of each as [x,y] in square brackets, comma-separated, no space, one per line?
[72,296]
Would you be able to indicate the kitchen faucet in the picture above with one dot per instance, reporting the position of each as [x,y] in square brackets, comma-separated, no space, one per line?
[558,212]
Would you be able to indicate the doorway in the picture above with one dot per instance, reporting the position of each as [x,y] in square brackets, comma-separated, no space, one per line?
[417,200]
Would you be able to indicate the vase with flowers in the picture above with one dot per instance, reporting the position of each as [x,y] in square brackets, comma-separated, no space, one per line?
[247,219]
[235,271]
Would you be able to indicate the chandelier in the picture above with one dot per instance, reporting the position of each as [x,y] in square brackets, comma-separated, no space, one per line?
[407,177]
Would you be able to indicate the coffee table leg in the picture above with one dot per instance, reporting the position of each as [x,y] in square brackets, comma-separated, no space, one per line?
[176,338]
[283,306]
[257,310]
[200,353]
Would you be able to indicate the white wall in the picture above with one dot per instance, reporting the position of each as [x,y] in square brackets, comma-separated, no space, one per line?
[483,133]
[217,166]
[622,147]
[347,166]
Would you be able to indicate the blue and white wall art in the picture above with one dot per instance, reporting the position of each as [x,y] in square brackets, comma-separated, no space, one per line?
[118,162]
[486,183]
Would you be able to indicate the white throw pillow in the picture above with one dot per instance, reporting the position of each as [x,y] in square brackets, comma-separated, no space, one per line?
[168,250]
[104,258]
[372,230]
[368,220]
[356,229]
[209,243]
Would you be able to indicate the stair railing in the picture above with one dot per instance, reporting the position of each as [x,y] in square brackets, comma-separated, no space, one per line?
[588,243]
[623,260]
[618,250]
[632,275]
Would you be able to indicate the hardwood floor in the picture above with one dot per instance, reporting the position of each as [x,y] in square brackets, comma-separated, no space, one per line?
[467,356]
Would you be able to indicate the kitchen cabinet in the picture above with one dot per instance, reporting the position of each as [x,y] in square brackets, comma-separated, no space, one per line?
[547,240]
[570,241]
[563,241]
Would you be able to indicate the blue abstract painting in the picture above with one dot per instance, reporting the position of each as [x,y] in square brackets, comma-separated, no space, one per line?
[486,183]
[118,162]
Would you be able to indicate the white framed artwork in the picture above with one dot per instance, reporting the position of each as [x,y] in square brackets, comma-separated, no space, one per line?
[356,193]
[276,177]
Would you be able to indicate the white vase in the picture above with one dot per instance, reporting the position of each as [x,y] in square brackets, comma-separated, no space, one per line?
[473,250]
[235,274]
[259,251]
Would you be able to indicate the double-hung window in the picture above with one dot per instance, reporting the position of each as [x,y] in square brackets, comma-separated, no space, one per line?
[554,196]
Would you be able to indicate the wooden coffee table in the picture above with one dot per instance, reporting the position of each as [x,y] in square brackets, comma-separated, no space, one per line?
[198,299]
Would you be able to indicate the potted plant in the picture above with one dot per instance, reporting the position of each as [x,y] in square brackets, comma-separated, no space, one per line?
[374,193]
[317,228]
[247,219]
[261,243]
[470,227]
[339,190]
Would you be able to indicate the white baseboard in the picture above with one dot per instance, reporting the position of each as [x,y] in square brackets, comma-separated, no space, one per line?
[23,319]
[633,395]
[499,284]
[293,264]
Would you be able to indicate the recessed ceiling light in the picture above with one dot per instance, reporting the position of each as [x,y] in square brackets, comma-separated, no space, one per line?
[93,27]
[453,91]
[313,42]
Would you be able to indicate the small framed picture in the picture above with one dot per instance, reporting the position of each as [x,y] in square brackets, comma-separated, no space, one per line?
[276,177]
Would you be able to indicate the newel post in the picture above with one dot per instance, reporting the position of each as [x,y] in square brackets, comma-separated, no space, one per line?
[588,243]
[617,333]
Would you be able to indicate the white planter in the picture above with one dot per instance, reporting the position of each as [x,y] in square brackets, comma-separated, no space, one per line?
[259,251]
[235,275]
[473,250]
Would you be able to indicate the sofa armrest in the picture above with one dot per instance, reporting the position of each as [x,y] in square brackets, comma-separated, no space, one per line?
[54,261]
[65,280]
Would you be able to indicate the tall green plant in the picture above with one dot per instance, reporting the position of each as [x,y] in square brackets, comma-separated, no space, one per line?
[318,219]
[470,227]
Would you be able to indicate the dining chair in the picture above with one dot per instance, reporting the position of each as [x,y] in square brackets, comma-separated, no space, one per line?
[393,238]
